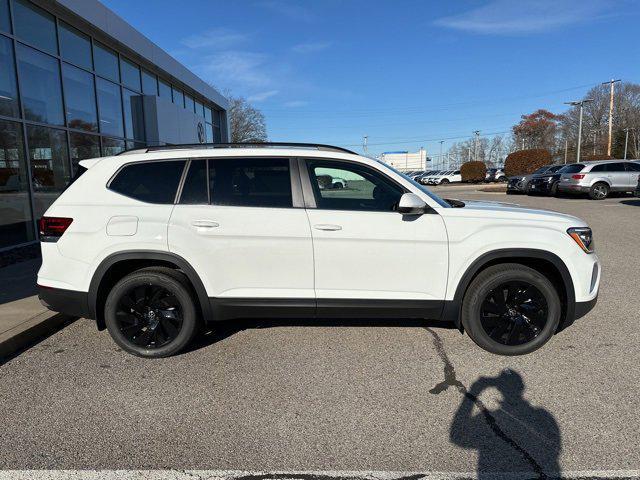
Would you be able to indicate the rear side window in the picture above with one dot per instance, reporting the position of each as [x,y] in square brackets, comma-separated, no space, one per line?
[151,182]
[608,167]
[194,190]
[250,182]
[575,168]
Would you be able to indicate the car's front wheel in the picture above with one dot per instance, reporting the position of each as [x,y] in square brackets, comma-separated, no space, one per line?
[151,313]
[511,309]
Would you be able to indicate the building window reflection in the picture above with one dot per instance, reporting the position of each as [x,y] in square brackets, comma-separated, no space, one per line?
[8,87]
[49,160]
[83,146]
[40,86]
[134,119]
[110,107]
[80,99]
[16,224]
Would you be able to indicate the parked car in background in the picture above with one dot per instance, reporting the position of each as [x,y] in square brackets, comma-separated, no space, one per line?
[450,176]
[422,179]
[495,175]
[520,183]
[547,183]
[637,192]
[600,178]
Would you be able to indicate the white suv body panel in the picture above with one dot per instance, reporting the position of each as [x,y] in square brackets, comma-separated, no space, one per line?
[280,253]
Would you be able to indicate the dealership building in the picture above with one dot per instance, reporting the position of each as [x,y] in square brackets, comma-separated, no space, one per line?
[76,82]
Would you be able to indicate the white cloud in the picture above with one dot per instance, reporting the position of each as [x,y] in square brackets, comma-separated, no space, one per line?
[310,47]
[296,103]
[262,96]
[288,9]
[513,17]
[247,70]
[216,38]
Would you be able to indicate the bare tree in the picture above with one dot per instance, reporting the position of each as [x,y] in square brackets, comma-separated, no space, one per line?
[247,122]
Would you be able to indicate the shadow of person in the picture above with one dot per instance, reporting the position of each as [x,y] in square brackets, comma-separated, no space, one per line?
[512,436]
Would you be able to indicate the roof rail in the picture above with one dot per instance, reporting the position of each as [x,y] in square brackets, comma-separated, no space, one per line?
[314,146]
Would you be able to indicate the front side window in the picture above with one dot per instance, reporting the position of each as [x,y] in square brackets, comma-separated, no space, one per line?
[346,186]
[251,182]
[151,182]
[633,167]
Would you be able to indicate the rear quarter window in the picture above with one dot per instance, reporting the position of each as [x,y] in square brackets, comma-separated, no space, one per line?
[151,182]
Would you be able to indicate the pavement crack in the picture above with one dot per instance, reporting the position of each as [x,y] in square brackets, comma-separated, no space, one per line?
[450,380]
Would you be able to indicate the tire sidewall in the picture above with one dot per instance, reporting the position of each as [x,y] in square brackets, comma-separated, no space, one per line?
[177,288]
[490,279]
[592,194]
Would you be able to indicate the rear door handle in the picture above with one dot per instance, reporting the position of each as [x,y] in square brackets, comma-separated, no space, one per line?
[205,224]
[327,227]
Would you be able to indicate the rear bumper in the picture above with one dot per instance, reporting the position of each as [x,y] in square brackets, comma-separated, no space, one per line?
[572,188]
[68,302]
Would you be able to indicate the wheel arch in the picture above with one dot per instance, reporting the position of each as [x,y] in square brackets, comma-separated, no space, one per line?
[546,262]
[113,266]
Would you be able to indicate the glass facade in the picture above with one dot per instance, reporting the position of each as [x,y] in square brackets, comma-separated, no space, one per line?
[65,97]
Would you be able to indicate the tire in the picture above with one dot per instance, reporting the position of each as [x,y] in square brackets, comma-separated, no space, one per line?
[599,191]
[553,191]
[134,327]
[492,325]
[444,181]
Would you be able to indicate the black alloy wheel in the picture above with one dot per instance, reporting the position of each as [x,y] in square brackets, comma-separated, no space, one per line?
[151,312]
[149,316]
[514,313]
[511,309]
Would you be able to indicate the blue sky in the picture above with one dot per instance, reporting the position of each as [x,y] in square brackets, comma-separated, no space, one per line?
[405,73]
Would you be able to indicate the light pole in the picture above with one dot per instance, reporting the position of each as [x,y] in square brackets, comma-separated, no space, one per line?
[364,144]
[626,141]
[579,103]
[611,82]
[475,147]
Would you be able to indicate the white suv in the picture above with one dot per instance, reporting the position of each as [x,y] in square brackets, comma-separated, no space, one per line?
[155,242]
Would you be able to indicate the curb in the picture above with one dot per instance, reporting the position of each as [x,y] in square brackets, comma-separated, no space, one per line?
[30,332]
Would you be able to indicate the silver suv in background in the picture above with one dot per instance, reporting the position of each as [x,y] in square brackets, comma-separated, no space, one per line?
[600,178]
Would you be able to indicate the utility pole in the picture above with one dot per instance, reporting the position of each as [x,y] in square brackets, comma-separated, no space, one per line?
[626,141]
[522,144]
[579,103]
[595,133]
[475,148]
[566,149]
[364,144]
[611,82]
[441,156]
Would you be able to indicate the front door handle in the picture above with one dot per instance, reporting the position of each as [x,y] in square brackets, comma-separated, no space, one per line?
[327,227]
[205,224]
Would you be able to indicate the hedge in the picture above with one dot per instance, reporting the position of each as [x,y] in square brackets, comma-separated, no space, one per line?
[473,171]
[524,162]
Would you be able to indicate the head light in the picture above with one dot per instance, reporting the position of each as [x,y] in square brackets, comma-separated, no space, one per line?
[583,237]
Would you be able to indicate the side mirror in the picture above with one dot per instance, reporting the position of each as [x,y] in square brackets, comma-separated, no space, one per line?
[411,204]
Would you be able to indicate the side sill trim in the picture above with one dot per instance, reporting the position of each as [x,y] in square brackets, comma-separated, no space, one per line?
[232,308]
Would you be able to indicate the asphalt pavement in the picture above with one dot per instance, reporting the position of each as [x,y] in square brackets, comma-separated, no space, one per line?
[346,396]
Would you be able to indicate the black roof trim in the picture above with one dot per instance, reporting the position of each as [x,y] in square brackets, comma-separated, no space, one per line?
[160,148]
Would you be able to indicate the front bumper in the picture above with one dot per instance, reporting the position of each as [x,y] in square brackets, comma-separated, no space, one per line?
[582,308]
[540,187]
[68,302]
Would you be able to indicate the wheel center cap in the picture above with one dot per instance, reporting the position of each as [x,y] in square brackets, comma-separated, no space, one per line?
[152,318]
[513,312]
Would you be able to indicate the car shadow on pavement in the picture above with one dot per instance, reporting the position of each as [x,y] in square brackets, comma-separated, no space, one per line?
[510,434]
[633,203]
[219,331]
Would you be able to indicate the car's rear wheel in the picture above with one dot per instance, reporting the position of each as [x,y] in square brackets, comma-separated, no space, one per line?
[151,313]
[599,191]
[511,309]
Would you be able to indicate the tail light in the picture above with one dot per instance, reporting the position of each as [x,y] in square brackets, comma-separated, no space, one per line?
[52,228]
[578,176]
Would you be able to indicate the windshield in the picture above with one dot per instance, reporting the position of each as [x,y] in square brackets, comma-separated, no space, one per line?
[575,168]
[433,196]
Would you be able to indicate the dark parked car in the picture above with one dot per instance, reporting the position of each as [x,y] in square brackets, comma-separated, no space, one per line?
[637,192]
[520,183]
[547,183]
